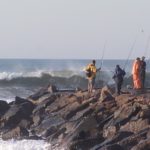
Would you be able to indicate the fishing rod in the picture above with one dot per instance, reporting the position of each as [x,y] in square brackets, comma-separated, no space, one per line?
[102,58]
[147,46]
[130,52]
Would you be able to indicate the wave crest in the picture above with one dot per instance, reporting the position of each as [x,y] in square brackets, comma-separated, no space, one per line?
[62,79]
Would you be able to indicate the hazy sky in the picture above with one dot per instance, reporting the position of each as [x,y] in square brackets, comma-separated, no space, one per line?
[73,28]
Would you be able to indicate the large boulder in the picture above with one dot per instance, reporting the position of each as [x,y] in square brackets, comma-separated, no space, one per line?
[143,145]
[109,132]
[82,130]
[3,107]
[86,143]
[16,113]
[136,126]
[19,100]
[125,113]
[43,91]
[47,123]
[112,147]
[106,94]
[44,103]
[16,133]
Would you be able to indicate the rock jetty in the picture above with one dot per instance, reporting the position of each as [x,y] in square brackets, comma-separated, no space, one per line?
[77,120]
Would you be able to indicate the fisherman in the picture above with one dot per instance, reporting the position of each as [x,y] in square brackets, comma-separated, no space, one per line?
[136,74]
[143,72]
[91,71]
[118,77]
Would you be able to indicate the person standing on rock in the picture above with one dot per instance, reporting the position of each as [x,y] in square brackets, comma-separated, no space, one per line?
[143,71]
[91,71]
[118,77]
[136,74]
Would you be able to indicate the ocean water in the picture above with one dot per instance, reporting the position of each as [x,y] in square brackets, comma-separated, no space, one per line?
[23,77]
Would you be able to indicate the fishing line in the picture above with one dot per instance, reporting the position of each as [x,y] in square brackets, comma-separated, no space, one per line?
[131,49]
[103,53]
[147,46]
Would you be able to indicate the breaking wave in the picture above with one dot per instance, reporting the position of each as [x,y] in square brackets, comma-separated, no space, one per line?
[62,79]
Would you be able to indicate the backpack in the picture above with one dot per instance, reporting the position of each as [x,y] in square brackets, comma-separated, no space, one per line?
[88,72]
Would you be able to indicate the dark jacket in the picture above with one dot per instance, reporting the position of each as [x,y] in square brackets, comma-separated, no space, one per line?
[119,74]
[143,67]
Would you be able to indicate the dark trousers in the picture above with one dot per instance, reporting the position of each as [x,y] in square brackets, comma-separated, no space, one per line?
[118,86]
[143,79]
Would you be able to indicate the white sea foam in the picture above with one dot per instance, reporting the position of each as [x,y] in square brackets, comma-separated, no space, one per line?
[11,75]
[24,145]
[38,74]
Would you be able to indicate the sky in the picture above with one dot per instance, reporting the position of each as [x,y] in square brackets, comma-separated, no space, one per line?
[74,29]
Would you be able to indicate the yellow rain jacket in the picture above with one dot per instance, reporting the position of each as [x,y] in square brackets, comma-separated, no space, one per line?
[93,71]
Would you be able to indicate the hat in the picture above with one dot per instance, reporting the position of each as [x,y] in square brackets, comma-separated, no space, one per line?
[94,61]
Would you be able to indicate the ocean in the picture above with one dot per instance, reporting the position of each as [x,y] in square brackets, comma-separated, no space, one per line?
[23,77]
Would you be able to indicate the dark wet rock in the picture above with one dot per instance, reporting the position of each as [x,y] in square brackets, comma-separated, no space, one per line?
[16,133]
[44,103]
[16,113]
[124,99]
[134,139]
[145,113]
[76,107]
[52,89]
[3,107]
[110,132]
[19,100]
[79,120]
[148,135]
[86,124]
[113,140]
[124,114]
[85,144]
[47,123]
[25,123]
[136,126]
[50,131]
[58,135]
[33,137]
[112,147]
[43,91]
[82,130]
[143,145]
[36,120]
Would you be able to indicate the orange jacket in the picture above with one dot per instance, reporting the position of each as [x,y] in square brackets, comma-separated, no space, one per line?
[136,67]
[136,74]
